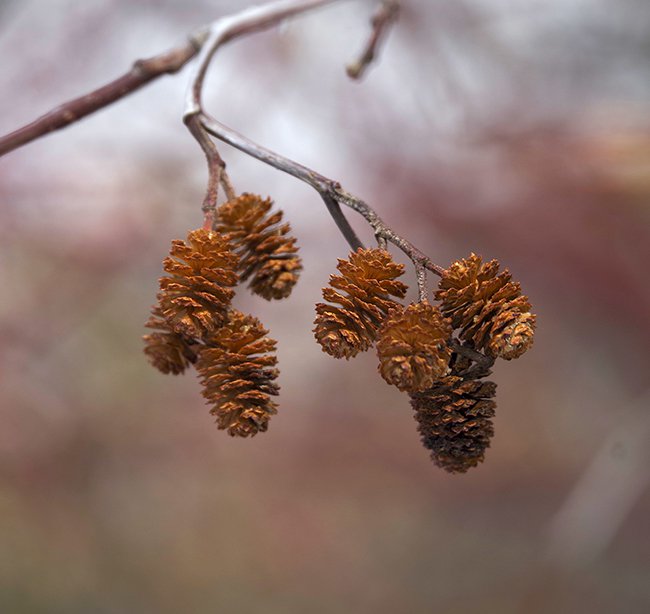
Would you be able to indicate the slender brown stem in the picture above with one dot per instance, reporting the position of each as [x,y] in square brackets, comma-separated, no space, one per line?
[250,20]
[324,186]
[207,41]
[142,72]
[421,276]
[220,32]
[343,225]
[482,365]
[227,186]
[381,21]
[216,167]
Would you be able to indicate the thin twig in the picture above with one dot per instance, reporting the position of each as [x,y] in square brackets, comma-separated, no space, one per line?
[482,365]
[207,41]
[216,167]
[324,186]
[421,276]
[142,72]
[250,20]
[220,32]
[227,185]
[381,21]
[343,225]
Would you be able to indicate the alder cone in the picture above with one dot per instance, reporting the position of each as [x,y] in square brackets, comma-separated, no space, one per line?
[366,283]
[267,252]
[412,347]
[167,351]
[454,421]
[236,369]
[488,307]
[195,298]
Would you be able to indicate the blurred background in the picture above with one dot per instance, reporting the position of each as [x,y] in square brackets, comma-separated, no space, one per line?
[515,129]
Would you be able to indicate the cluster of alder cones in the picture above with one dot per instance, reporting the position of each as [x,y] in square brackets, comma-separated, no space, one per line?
[437,354]
[194,321]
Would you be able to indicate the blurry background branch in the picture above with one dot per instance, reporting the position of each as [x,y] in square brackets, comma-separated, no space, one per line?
[381,21]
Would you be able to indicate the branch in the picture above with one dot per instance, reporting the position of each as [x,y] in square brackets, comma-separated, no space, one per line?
[207,41]
[142,72]
[227,28]
[327,188]
[146,70]
[216,169]
[381,21]
[252,20]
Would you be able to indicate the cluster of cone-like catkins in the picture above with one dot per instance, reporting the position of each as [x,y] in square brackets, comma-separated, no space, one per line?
[438,354]
[194,322]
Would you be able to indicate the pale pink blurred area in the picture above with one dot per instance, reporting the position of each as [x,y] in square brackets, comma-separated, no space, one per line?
[517,130]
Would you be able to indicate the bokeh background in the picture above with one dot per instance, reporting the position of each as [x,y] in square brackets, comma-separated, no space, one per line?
[515,129]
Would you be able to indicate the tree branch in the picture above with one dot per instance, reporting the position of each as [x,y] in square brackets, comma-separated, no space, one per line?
[381,21]
[205,42]
[142,72]
[327,188]
[250,20]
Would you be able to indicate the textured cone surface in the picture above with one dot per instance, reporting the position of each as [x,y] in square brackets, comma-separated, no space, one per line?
[267,253]
[488,307]
[195,297]
[454,421]
[236,369]
[166,350]
[412,347]
[363,292]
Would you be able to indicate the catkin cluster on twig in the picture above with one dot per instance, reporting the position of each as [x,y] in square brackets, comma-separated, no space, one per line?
[194,322]
[436,354]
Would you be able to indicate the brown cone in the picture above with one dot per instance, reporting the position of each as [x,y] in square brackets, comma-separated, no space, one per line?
[196,296]
[454,421]
[166,350]
[412,347]
[367,282]
[236,368]
[488,307]
[267,253]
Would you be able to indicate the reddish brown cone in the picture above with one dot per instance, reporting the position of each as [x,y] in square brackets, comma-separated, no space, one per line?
[195,298]
[488,307]
[454,421]
[367,284]
[267,252]
[412,347]
[236,368]
[166,350]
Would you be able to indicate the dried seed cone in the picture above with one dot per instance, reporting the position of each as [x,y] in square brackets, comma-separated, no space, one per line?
[366,283]
[454,421]
[488,307]
[195,298]
[236,369]
[412,347]
[166,350]
[267,253]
